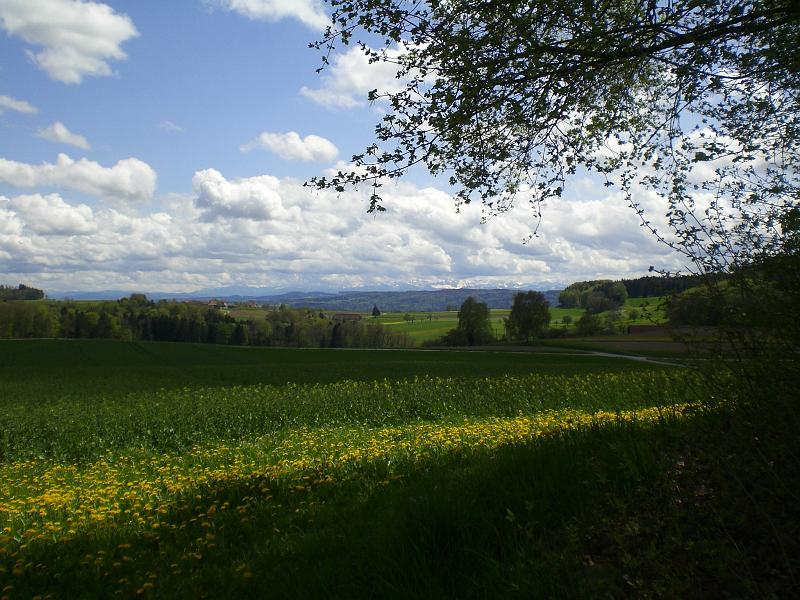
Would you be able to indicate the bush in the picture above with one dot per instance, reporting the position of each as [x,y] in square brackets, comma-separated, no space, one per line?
[588,324]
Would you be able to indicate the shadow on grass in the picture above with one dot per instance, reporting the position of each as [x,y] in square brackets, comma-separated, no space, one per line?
[619,511]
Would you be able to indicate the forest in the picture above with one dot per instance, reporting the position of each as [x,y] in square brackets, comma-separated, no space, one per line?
[136,318]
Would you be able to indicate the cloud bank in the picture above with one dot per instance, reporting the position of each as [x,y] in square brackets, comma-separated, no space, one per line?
[272,232]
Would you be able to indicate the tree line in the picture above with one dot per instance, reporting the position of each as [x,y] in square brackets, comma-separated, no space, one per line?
[22,292]
[137,318]
[659,285]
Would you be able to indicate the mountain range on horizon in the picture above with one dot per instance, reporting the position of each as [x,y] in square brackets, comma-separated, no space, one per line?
[356,300]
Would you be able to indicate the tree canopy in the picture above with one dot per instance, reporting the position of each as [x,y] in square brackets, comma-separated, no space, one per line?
[695,100]
[474,326]
[529,317]
[595,296]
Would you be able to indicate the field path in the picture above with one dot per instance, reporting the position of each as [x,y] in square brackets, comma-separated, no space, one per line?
[531,350]
[645,359]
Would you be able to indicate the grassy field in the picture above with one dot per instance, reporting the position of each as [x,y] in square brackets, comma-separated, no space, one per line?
[430,326]
[361,474]
[648,311]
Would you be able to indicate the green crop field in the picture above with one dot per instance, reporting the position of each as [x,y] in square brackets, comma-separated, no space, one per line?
[83,366]
[177,470]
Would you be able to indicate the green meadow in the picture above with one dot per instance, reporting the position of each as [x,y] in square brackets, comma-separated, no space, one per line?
[429,326]
[426,327]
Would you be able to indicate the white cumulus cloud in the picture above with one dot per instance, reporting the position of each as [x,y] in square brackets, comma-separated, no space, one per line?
[58,132]
[9,103]
[129,180]
[309,12]
[77,38]
[255,198]
[346,83]
[290,146]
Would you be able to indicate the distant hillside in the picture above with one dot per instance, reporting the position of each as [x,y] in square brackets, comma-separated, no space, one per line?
[417,300]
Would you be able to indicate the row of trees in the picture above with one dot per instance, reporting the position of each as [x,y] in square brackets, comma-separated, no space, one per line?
[657,286]
[529,319]
[133,318]
[137,318]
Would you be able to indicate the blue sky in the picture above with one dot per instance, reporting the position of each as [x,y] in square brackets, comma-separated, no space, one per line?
[163,145]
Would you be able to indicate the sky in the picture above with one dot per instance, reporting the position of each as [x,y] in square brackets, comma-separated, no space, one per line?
[163,146]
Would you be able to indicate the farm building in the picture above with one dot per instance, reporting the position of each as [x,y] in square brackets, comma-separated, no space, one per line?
[346,316]
[218,304]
